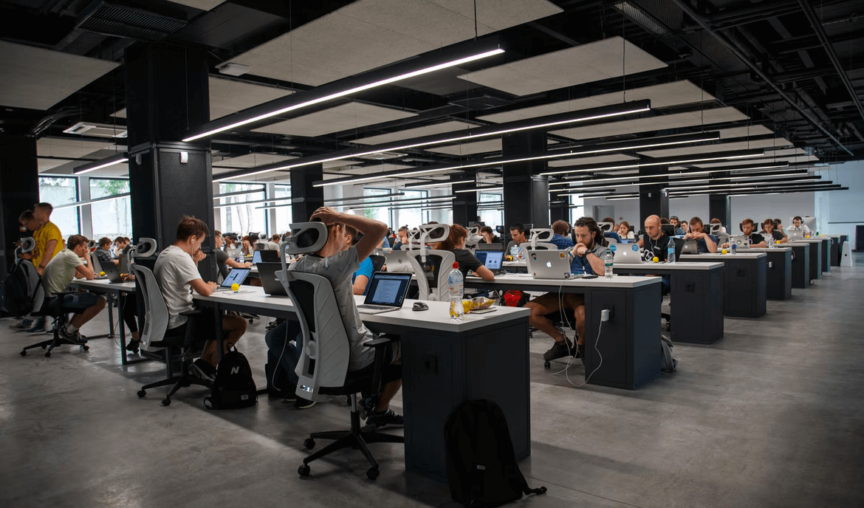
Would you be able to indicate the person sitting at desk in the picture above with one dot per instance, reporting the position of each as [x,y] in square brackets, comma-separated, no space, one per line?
[517,233]
[488,235]
[654,241]
[772,234]
[120,243]
[455,243]
[705,243]
[559,229]
[778,226]
[177,274]
[273,243]
[247,246]
[337,264]
[679,230]
[624,231]
[756,240]
[223,260]
[103,252]
[798,227]
[401,238]
[587,257]
[65,266]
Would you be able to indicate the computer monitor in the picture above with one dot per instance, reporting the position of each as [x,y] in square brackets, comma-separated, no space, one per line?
[668,229]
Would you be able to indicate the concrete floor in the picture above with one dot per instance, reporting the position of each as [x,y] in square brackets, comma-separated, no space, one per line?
[771,415]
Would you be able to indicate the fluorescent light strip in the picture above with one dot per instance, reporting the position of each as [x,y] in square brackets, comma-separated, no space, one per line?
[349,91]
[576,189]
[493,188]
[78,172]
[621,199]
[642,164]
[97,200]
[714,186]
[380,177]
[762,188]
[686,173]
[441,184]
[239,193]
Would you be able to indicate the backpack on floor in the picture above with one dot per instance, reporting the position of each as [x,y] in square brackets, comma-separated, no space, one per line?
[234,387]
[481,463]
[18,290]
[667,363]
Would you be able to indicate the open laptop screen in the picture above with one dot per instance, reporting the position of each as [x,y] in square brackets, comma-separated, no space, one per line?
[490,259]
[256,257]
[388,289]
[235,276]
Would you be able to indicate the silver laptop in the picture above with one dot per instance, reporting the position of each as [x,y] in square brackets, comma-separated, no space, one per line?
[690,247]
[795,235]
[628,253]
[742,241]
[549,264]
[235,276]
[386,292]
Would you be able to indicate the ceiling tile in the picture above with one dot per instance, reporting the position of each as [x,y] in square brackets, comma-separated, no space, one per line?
[251,160]
[336,119]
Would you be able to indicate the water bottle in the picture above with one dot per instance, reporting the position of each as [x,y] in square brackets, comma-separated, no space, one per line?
[607,259]
[514,252]
[734,248]
[454,282]
[670,252]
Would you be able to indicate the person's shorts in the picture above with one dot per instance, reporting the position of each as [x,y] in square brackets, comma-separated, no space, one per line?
[392,372]
[552,301]
[79,302]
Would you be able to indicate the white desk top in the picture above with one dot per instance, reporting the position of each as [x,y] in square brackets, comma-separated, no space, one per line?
[809,240]
[436,318]
[526,279]
[781,248]
[512,264]
[718,256]
[669,266]
[103,284]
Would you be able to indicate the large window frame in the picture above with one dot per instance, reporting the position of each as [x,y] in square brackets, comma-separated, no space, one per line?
[122,207]
[239,218]
[283,211]
[384,213]
[577,208]
[67,219]
[491,218]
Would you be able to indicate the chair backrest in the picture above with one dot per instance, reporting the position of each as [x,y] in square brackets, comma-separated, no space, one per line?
[605,227]
[440,262]
[377,262]
[97,266]
[155,311]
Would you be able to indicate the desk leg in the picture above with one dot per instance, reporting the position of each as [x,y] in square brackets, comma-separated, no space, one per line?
[111,302]
[217,316]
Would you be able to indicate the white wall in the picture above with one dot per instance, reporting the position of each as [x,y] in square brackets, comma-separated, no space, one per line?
[774,206]
[689,207]
[842,206]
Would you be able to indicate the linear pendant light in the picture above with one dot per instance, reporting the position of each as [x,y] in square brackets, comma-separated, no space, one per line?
[594,149]
[668,161]
[471,134]
[335,90]
[487,188]
[97,200]
[101,163]
[801,176]
[779,165]
[763,188]
[439,184]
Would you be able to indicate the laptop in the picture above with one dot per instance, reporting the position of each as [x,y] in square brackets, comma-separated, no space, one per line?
[235,276]
[489,246]
[491,259]
[630,253]
[265,256]
[267,273]
[742,241]
[386,292]
[112,273]
[690,247]
[549,264]
[795,235]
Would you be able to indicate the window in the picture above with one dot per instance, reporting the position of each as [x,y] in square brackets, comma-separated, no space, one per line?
[492,215]
[113,217]
[381,213]
[412,217]
[283,211]
[241,218]
[577,210]
[62,191]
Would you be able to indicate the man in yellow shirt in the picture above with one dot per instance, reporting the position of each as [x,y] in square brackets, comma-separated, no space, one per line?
[49,241]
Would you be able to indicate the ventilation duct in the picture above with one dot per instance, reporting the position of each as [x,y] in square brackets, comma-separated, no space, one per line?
[127,22]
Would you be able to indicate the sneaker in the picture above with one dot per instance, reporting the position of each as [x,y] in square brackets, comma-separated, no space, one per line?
[301,403]
[559,350]
[203,370]
[286,395]
[133,346]
[24,324]
[386,418]
[74,338]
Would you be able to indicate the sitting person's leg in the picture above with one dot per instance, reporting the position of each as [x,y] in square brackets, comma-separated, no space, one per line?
[233,327]
[282,357]
[542,306]
[392,381]
[85,306]
[129,311]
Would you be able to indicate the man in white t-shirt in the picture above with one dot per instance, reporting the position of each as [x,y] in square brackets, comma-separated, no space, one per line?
[798,227]
[59,273]
[337,262]
[177,274]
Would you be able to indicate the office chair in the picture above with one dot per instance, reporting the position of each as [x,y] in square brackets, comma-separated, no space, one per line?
[323,365]
[539,240]
[432,288]
[158,343]
[377,262]
[54,307]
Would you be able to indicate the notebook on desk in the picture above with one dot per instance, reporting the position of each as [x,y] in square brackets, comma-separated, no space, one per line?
[386,293]
[112,273]
[690,247]
[626,254]
[267,272]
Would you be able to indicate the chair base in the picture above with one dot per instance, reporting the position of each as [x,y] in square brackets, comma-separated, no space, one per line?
[52,343]
[182,381]
[357,438]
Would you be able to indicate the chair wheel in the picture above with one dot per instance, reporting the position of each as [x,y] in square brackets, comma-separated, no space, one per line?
[141,393]
[23,353]
[547,365]
[251,321]
[166,402]
[304,470]
[372,473]
[48,354]
[309,443]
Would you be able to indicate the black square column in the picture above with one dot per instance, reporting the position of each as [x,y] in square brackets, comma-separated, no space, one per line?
[306,198]
[19,191]
[654,198]
[718,207]
[526,194]
[465,204]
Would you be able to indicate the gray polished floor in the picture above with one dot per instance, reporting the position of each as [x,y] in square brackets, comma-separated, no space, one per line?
[770,416]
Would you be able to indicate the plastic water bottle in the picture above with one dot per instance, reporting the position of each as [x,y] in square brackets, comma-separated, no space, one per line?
[607,260]
[670,252]
[514,252]
[456,289]
[734,248]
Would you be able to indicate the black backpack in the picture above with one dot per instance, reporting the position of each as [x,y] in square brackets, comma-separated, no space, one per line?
[18,291]
[481,463]
[234,387]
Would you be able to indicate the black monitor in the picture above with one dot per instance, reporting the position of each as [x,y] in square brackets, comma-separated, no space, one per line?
[668,229]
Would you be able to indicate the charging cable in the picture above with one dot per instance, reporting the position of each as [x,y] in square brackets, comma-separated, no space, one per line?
[604,317]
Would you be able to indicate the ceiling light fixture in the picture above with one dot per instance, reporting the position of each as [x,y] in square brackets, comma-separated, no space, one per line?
[101,163]
[489,188]
[665,175]
[667,161]
[326,93]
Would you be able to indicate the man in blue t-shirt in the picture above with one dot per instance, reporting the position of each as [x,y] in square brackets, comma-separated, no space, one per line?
[559,229]
[704,242]
[360,279]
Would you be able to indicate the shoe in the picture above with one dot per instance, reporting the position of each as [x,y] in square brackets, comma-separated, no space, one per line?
[24,324]
[384,419]
[301,403]
[74,338]
[559,350]
[286,395]
[134,346]
[38,326]
[203,370]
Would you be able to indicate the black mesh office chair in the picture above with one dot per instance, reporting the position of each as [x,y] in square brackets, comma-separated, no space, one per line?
[377,262]
[54,307]
[326,353]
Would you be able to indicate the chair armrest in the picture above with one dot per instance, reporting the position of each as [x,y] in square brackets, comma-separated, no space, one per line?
[380,341]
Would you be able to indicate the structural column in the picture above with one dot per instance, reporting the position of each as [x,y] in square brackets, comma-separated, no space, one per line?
[19,191]
[167,93]
[718,207]
[526,194]
[653,199]
[465,204]
[305,197]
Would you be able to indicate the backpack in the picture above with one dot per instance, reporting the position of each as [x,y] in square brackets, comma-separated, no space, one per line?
[481,463]
[515,298]
[233,387]
[18,289]
[667,363]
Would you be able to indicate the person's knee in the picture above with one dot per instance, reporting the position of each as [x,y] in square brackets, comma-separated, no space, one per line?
[580,313]
[100,304]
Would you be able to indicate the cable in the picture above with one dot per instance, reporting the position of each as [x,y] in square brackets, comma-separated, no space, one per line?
[596,342]
[279,362]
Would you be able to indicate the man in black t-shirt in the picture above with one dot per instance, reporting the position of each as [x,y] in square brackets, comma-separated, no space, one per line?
[757,241]
[654,241]
[223,260]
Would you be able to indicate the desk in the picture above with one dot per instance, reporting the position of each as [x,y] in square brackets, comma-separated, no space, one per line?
[779,282]
[837,248]
[800,264]
[444,364]
[826,252]
[815,256]
[112,290]
[744,284]
[696,291]
[515,266]
[629,341]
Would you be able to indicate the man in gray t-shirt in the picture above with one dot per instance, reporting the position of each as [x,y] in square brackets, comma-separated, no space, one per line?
[337,261]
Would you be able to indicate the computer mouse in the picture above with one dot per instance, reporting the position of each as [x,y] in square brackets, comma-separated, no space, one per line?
[420,306]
